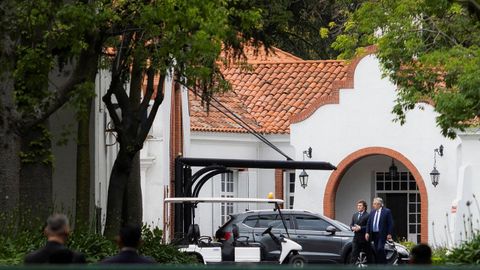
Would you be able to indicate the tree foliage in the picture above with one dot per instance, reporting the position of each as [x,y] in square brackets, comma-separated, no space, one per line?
[48,53]
[429,49]
[307,28]
[149,41]
[41,38]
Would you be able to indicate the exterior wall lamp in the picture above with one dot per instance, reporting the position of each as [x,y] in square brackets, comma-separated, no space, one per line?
[393,170]
[304,175]
[435,174]
[303,179]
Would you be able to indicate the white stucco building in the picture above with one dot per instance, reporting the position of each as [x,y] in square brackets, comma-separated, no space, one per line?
[343,112]
[356,132]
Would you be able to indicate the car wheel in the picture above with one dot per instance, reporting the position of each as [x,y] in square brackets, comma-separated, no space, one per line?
[297,261]
[361,260]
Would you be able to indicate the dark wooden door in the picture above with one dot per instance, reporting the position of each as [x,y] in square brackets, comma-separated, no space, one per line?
[398,202]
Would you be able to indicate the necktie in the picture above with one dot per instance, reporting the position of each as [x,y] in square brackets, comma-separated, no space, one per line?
[375,221]
[359,215]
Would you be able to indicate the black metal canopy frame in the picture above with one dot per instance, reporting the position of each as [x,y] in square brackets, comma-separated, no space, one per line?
[188,185]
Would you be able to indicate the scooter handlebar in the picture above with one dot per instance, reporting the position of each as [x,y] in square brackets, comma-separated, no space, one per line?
[268,230]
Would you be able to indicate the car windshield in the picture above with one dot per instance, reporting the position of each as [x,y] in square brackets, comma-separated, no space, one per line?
[345,226]
[267,220]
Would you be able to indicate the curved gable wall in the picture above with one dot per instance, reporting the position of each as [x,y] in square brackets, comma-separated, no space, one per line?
[333,98]
[362,118]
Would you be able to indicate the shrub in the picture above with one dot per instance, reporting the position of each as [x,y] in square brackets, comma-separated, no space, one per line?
[439,255]
[467,253]
[93,245]
[14,247]
[408,244]
[152,239]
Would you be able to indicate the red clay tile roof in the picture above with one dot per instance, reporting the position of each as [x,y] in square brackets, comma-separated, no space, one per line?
[216,121]
[269,94]
[274,55]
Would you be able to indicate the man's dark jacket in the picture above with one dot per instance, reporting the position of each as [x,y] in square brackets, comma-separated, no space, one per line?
[129,256]
[362,222]
[385,224]
[54,252]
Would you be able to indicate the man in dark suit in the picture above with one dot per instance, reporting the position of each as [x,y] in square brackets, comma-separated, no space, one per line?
[359,226]
[379,228]
[56,231]
[128,241]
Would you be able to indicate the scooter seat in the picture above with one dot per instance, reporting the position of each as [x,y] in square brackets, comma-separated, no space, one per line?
[246,244]
[211,244]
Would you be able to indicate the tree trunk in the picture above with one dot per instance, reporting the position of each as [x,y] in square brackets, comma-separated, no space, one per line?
[82,206]
[10,141]
[132,206]
[116,192]
[9,176]
[35,177]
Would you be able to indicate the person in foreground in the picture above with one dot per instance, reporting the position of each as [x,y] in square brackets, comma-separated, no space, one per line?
[128,241]
[358,225]
[421,254]
[379,229]
[57,231]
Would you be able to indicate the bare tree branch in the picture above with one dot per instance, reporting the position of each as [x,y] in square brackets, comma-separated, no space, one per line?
[107,99]
[118,73]
[145,127]
[434,24]
[148,93]
[85,70]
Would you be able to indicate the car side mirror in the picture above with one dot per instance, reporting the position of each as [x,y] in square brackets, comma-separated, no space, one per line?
[331,229]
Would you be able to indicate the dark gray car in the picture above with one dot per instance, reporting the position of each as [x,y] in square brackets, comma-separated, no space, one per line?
[323,240]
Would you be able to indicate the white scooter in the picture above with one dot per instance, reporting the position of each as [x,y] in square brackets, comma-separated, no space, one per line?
[210,252]
[289,249]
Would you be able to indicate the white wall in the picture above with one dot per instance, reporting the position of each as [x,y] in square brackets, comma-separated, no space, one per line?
[154,157]
[468,190]
[266,183]
[155,162]
[251,182]
[219,145]
[63,126]
[364,119]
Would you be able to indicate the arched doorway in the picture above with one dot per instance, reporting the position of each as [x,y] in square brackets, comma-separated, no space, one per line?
[347,163]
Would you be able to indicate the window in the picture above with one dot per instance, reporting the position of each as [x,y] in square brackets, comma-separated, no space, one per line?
[403,182]
[306,222]
[227,183]
[414,219]
[227,191]
[251,221]
[265,221]
[289,189]
[278,224]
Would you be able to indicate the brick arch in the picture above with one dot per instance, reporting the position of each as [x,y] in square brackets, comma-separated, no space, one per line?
[346,163]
